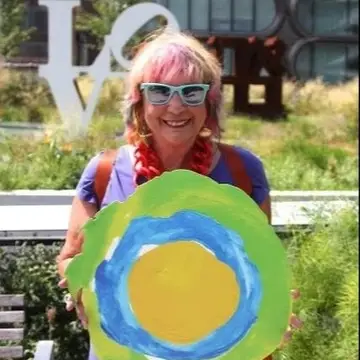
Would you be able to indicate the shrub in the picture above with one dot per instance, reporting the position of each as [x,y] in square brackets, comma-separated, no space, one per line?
[306,166]
[317,151]
[304,160]
[346,345]
[53,162]
[111,95]
[316,97]
[325,269]
[33,273]
[44,165]
[24,97]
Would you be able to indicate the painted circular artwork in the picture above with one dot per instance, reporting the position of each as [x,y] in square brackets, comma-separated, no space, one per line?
[185,269]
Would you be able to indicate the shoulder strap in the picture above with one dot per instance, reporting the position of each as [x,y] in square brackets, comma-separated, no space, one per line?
[103,173]
[232,158]
[237,168]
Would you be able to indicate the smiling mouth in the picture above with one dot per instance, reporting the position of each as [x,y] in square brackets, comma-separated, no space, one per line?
[177,123]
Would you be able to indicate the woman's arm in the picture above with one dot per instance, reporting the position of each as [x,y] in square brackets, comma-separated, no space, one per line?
[265,206]
[84,206]
[81,212]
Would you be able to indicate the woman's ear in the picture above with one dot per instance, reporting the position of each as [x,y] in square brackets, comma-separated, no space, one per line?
[135,95]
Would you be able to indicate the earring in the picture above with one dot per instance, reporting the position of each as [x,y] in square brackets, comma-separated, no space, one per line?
[144,131]
[205,132]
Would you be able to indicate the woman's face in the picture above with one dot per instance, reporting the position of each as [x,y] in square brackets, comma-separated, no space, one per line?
[174,123]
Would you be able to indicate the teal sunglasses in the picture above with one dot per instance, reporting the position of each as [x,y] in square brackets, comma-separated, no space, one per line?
[160,94]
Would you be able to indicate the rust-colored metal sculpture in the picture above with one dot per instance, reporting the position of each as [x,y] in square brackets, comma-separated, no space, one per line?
[256,62]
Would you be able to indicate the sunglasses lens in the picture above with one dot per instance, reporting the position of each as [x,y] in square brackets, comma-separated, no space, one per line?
[193,95]
[158,94]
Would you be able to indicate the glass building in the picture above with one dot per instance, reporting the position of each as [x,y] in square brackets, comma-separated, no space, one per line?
[321,35]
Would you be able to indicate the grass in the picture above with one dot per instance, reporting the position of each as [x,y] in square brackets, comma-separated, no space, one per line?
[315,147]
[300,153]
[52,162]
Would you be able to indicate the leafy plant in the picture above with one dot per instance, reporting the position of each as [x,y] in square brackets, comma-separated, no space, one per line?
[24,97]
[346,345]
[53,162]
[325,269]
[12,13]
[302,163]
[33,273]
[99,19]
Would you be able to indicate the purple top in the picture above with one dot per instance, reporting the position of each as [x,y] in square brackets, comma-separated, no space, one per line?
[121,184]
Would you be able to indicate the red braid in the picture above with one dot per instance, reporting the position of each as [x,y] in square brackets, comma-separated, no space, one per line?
[201,156]
[148,164]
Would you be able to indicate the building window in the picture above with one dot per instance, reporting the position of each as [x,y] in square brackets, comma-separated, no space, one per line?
[228,62]
[220,15]
[330,18]
[34,49]
[180,10]
[199,15]
[223,16]
[36,16]
[333,62]
[253,15]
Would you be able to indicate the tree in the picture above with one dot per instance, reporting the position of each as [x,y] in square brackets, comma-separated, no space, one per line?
[12,31]
[100,15]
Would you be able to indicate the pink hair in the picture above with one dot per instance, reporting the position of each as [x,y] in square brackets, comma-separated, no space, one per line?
[166,57]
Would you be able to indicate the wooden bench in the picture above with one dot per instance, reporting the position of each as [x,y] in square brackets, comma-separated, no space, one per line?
[12,316]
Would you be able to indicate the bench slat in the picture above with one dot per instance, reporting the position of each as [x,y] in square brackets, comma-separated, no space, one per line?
[11,334]
[9,317]
[12,352]
[11,300]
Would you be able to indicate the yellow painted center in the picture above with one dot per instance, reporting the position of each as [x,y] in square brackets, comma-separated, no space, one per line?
[180,292]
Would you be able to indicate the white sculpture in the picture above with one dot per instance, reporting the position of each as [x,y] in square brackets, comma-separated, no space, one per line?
[60,72]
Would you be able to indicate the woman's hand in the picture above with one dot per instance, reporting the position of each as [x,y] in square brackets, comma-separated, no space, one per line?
[295,322]
[71,304]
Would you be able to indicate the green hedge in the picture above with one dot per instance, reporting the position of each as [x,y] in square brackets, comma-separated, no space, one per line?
[296,156]
[53,162]
[325,268]
[31,270]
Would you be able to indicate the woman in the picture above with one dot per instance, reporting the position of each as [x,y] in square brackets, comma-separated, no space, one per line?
[172,110]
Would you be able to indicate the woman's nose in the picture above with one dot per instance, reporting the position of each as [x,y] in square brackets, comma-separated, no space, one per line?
[175,104]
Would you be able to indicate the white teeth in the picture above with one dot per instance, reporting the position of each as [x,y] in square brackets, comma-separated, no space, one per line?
[176,123]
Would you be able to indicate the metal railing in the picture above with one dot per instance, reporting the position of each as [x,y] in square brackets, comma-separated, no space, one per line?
[42,215]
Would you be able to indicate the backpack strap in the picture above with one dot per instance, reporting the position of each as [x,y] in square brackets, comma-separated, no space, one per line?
[103,173]
[237,168]
[232,158]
